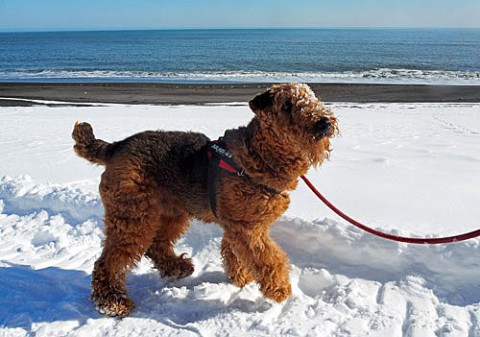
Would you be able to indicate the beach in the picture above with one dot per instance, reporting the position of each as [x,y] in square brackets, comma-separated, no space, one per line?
[405,162]
[170,94]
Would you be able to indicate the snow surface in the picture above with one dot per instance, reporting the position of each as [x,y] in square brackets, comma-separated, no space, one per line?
[410,169]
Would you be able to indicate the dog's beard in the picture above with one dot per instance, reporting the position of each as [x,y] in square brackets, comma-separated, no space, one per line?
[319,151]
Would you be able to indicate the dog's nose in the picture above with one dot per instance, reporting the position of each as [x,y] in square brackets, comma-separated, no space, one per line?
[322,127]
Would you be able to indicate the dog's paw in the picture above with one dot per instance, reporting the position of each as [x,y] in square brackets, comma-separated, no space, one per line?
[114,305]
[277,293]
[177,268]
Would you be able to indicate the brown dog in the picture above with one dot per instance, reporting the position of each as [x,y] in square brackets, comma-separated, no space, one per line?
[156,181]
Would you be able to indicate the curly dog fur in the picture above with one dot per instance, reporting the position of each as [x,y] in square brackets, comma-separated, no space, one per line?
[156,181]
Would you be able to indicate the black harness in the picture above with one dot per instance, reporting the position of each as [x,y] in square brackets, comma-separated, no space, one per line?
[221,159]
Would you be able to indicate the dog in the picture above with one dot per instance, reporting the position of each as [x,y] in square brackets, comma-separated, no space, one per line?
[155,182]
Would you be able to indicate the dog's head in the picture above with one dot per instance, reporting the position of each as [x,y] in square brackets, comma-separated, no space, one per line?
[293,116]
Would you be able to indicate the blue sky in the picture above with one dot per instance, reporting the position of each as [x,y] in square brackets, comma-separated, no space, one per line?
[140,14]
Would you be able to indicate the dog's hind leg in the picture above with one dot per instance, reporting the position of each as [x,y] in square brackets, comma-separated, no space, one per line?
[162,253]
[236,272]
[131,208]
[265,259]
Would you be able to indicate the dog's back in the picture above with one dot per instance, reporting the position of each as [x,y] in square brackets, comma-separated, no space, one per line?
[176,160]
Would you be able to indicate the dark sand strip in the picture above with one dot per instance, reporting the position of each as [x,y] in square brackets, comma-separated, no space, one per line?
[154,93]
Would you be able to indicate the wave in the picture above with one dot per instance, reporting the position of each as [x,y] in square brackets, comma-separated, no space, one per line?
[381,75]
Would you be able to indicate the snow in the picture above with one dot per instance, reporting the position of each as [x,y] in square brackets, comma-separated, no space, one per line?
[410,169]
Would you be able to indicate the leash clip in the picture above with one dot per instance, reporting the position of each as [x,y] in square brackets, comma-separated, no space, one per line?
[241,172]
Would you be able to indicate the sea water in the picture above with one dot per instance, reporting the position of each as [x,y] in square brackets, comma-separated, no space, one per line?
[434,56]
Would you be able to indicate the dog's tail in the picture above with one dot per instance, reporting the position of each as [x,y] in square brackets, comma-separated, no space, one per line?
[87,146]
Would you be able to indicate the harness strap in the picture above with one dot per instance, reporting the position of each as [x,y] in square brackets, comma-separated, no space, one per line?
[220,158]
[213,170]
[218,148]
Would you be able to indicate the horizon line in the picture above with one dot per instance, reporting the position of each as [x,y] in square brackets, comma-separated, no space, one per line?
[119,29]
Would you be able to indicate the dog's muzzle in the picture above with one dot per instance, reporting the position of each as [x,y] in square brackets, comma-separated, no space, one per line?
[322,128]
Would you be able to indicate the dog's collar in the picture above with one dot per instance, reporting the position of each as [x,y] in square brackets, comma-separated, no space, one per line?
[220,158]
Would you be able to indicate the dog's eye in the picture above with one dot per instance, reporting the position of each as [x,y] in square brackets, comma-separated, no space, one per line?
[287,107]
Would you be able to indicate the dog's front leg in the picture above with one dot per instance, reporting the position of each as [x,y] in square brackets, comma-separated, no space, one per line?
[267,262]
[235,270]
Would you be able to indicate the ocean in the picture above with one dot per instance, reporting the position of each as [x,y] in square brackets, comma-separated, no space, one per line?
[429,56]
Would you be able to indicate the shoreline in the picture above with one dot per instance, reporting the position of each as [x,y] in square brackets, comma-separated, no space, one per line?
[22,94]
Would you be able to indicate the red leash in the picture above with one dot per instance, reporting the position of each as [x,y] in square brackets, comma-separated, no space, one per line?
[428,241]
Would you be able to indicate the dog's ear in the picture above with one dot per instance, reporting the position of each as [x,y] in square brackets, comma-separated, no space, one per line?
[262,101]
